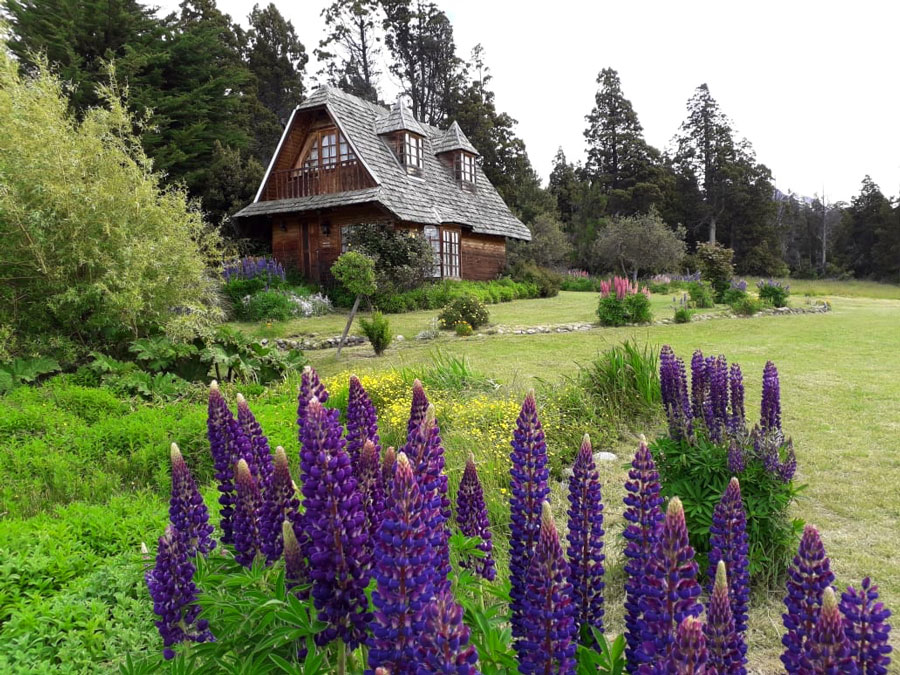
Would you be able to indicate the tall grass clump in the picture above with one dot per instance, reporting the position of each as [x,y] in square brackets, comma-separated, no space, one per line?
[626,378]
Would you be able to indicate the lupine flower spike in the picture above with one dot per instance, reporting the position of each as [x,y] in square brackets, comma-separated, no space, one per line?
[368,475]
[698,384]
[808,577]
[472,518]
[218,418]
[827,650]
[726,648]
[529,488]
[728,542]
[246,515]
[445,647]
[279,501]
[643,501]
[310,388]
[403,574]
[865,621]
[673,382]
[173,591]
[295,570]
[585,537]
[335,523]
[670,586]
[417,409]
[362,423]
[548,640]
[689,653]
[388,461]
[187,512]
[770,407]
[737,420]
[258,443]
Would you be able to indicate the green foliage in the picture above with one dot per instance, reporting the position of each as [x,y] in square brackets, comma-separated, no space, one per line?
[439,294]
[547,281]
[549,245]
[683,315]
[463,329]
[637,308]
[638,244]
[698,474]
[25,371]
[702,295]
[268,306]
[378,331]
[608,658]
[581,284]
[716,266]
[356,272]
[234,356]
[467,308]
[94,248]
[402,261]
[746,306]
[611,311]
[624,378]
[774,294]
[733,295]
[448,372]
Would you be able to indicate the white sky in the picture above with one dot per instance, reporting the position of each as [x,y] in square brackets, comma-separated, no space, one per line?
[813,85]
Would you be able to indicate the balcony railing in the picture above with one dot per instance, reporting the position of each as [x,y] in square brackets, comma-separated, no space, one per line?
[308,181]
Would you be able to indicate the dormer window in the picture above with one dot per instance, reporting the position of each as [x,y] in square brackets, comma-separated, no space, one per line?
[326,148]
[411,153]
[464,164]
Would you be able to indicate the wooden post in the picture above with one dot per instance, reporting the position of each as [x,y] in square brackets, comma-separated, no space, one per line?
[347,327]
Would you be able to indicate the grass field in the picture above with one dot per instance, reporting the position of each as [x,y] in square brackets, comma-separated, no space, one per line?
[79,571]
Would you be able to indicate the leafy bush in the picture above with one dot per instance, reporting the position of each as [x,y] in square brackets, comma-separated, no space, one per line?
[378,331]
[637,308]
[733,295]
[701,294]
[614,311]
[683,315]
[467,308]
[746,306]
[463,329]
[642,243]
[611,312]
[402,261]
[716,266]
[25,371]
[581,283]
[356,273]
[773,292]
[547,281]
[267,305]
[438,294]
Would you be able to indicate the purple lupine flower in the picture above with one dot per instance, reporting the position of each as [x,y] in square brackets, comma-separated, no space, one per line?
[528,487]
[690,655]
[865,622]
[388,465]
[670,586]
[585,537]
[310,388]
[673,382]
[403,559]
[737,424]
[217,424]
[710,412]
[717,375]
[368,476]
[729,543]
[444,645]
[770,407]
[171,585]
[417,409]
[187,511]
[362,423]
[643,501]
[334,520]
[698,384]
[279,501]
[548,640]
[827,650]
[808,577]
[726,646]
[736,461]
[788,467]
[259,444]
[295,571]
[247,505]
[472,518]
[426,454]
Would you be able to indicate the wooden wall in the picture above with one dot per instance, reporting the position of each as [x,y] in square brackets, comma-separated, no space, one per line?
[482,256]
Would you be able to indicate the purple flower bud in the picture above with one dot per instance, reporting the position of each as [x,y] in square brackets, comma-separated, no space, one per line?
[259,444]
[788,467]
[716,406]
[770,408]
[548,641]
[295,570]
[403,560]
[585,537]
[388,466]
[310,388]
[673,383]
[472,518]
[279,502]
[217,430]
[689,653]
[368,475]
[808,577]
[736,461]
[417,409]
[643,501]
[699,384]
[187,511]
[865,622]
[246,515]
[529,488]
[173,591]
[737,424]
[729,543]
[335,523]
[445,647]
[827,650]
[362,423]
[670,586]
[726,647]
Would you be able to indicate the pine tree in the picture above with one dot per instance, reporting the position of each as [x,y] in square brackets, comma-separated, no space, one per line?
[564,186]
[868,243]
[351,48]
[277,59]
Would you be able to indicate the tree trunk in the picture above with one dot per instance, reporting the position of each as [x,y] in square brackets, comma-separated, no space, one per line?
[347,327]
[712,230]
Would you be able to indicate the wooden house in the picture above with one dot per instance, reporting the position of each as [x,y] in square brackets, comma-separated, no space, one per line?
[343,161]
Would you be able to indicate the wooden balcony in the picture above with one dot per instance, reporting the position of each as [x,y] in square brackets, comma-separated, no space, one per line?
[342,176]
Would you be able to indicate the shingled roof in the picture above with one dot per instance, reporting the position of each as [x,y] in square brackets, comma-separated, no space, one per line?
[453,139]
[435,198]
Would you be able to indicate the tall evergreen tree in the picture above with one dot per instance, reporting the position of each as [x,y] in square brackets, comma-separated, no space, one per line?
[277,59]
[565,187]
[868,241]
[351,47]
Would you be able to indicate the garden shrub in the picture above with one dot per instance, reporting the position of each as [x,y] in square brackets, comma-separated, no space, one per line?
[701,294]
[577,282]
[622,302]
[773,292]
[715,263]
[378,331]
[611,312]
[547,281]
[637,308]
[468,308]
[267,305]
[683,315]
[746,306]
[733,295]
[463,329]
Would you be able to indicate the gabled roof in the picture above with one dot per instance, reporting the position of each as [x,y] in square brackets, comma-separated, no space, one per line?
[433,199]
[454,139]
[399,119]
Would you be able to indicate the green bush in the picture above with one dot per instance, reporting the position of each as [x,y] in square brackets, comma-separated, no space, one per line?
[659,288]
[463,329]
[746,306]
[701,294]
[733,295]
[773,293]
[683,315]
[467,308]
[378,331]
[637,308]
[547,281]
[631,309]
[579,283]
[715,263]
[268,306]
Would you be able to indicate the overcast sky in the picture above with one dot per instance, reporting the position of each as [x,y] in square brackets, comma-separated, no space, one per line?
[813,85]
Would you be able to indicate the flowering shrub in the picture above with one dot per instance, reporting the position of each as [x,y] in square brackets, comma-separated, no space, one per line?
[250,267]
[467,308]
[773,292]
[701,295]
[463,328]
[309,611]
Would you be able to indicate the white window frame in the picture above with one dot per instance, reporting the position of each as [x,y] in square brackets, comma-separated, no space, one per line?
[414,151]
[450,253]
[433,237]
